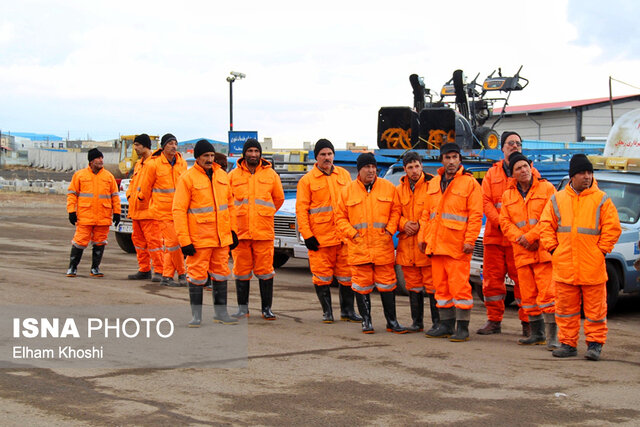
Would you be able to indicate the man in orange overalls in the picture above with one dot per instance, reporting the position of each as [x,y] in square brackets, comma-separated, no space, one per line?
[258,194]
[580,226]
[449,227]
[498,253]
[205,221]
[159,185]
[522,205]
[92,203]
[416,266]
[316,206]
[146,235]
[368,216]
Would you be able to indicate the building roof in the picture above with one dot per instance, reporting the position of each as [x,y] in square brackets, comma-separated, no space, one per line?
[36,136]
[558,106]
[193,141]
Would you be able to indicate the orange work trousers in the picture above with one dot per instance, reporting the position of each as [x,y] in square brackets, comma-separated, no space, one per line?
[594,303]
[329,262]
[451,280]
[208,262]
[365,277]
[253,255]
[537,288]
[147,240]
[418,278]
[173,260]
[85,234]
[498,261]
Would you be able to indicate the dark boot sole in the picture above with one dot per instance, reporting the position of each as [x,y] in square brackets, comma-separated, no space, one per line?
[594,357]
[97,275]
[413,331]
[438,336]
[71,275]
[268,317]
[327,321]
[488,332]
[369,332]
[194,325]
[225,322]
[240,316]
[404,331]
[533,343]
[454,339]
[348,319]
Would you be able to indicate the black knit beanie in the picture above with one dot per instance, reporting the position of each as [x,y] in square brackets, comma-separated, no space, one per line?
[505,135]
[94,153]
[515,157]
[143,139]
[366,159]
[322,143]
[579,163]
[202,146]
[167,137]
[249,143]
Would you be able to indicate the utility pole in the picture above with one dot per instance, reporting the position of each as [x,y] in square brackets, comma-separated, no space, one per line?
[232,78]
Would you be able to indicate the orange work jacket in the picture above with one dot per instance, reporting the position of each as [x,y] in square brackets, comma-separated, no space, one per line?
[368,220]
[494,184]
[257,197]
[93,196]
[158,184]
[413,203]
[203,211]
[317,200]
[452,218]
[138,209]
[520,216]
[580,229]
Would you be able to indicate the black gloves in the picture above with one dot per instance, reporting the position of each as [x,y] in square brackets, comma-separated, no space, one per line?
[73,217]
[188,250]
[235,240]
[312,243]
[116,219]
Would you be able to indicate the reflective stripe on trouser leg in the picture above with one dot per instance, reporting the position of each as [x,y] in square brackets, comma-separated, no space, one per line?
[85,234]
[362,278]
[452,281]
[173,260]
[493,287]
[543,273]
[418,278]
[342,270]
[253,255]
[594,301]
[568,299]
[142,255]
[513,274]
[208,261]
[529,290]
[151,230]
[384,277]
[322,263]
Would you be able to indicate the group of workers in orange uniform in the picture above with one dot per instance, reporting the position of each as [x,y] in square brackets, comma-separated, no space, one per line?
[552,244]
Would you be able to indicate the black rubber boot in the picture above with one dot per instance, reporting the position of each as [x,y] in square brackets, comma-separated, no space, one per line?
[74,260]
[364,307]
[220,314]
[389,308]
[526,328]
[462,328]
[435,314]
[140,275]
[324,296]
[416,302]
[266,295]
[96,259]
[593,351]
[537,332]
[195,299]
[445,326]
[347,313]
[242,296]
[551,329]
[565,350]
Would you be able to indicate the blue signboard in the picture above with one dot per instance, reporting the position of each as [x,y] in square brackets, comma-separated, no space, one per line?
[238,138]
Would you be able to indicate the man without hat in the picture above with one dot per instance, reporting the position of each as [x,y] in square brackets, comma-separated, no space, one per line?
[146,236]
[367,217]
[157,187]
[498,252]
[316,209]
[522,205]
[449,227]
[580,226]
[258,194]
[92,203]
[205,221]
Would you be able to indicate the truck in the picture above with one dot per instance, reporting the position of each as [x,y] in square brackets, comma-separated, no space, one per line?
[617,172]
[128,156]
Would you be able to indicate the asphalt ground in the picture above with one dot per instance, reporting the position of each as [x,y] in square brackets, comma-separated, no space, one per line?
[298,371]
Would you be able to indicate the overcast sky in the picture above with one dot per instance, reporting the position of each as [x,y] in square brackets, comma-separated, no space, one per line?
[314,69]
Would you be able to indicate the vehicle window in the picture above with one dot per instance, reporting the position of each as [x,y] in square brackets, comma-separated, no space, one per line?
[625,197]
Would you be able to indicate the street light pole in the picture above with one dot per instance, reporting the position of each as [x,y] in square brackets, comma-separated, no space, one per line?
[232,78]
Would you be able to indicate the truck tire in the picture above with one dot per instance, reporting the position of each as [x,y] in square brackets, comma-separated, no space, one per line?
[125,243]
[401,288]
[613,286]
[488,137]
[279,259]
